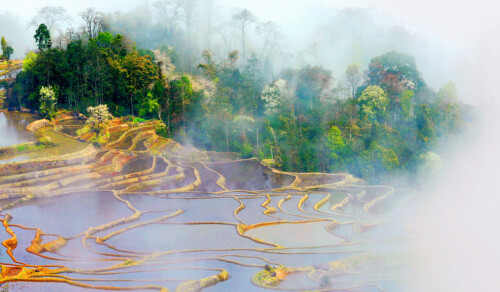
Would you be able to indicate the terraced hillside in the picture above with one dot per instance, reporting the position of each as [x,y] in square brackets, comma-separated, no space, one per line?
[146,213]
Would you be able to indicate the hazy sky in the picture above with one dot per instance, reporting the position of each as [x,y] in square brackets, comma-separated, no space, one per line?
[472,26]
[460,21]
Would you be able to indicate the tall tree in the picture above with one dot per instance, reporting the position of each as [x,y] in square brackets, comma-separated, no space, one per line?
[51,16]
[227,33]
[168,13]
[244,18]
[7,50]
[93,22]
[395,72]
[189,9]
[140,73]
[312,83]
[353,78]
[269,33]
[373,104]
[208,11]
[42,37]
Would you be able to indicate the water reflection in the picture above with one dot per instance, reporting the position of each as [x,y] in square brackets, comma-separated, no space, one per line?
[13,128]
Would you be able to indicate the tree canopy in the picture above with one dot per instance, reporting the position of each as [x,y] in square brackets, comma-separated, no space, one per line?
[374,124]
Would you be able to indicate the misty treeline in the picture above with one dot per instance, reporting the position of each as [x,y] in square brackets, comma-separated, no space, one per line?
[374,122]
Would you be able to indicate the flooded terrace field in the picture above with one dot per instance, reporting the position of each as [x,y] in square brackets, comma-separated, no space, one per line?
[145,213]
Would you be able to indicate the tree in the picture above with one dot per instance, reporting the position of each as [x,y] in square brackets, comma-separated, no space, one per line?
[275,96]
[244,18]
[373,104]
[181,92]
[165,65]
[270,34]
[395,72]
[208,11]
[312,82]
[51,16]
[48,101]
[168,14]
[336,144]
[97,116]
[7,50]
[29,61]
[93,22]
[227,33]
[378,160]
[42,38]
[448,92]
[189,8]
[140,72]
[353,78]
[406,104]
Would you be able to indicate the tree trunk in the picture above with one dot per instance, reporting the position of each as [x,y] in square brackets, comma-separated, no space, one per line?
[131,105]
[227,136]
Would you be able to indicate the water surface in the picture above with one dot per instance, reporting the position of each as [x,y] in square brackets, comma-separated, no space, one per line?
[13,128]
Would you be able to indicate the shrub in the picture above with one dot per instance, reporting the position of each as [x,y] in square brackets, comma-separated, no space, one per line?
[48,102]
[163,131]
[97,116]
[138,120]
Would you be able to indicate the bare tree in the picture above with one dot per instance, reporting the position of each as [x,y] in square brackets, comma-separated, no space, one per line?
[353,78]
[93,22]
[227,33]
[208,11]
[270,34]
[244,18]
[168,13]
[51,16]
[189,9]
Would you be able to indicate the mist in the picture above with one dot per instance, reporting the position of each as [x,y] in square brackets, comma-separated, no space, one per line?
[450,41]
[457,41]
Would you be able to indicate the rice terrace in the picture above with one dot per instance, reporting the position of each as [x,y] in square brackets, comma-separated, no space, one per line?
[236,145]
[139,210]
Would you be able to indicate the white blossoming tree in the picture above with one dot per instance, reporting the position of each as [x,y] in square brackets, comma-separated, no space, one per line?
[97,116]
[165,63]
[275,96]
[48,101]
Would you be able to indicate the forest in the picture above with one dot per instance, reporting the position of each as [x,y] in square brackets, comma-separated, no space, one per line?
[375,122]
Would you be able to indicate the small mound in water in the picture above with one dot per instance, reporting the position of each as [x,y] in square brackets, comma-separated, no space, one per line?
[250,175]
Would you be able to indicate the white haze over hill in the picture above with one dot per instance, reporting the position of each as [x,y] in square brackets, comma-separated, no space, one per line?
[451,40]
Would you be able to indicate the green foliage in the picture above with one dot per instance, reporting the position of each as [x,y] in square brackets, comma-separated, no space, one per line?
[374,103]
[29,61]
[45,141]
[430,162]
[336,144]
[395,72]
[353,78]
[48,101]
[42,37]
[138,120]
[163,131]
[22,148]
[298,120]
[246,150]
[7,50]
[97,117]
[103,70]
[448,92]
[149,107]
